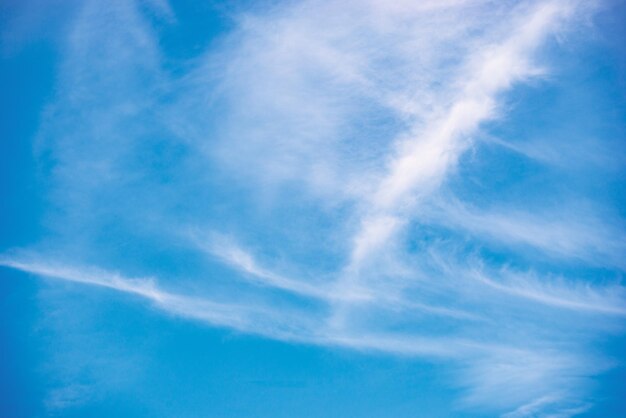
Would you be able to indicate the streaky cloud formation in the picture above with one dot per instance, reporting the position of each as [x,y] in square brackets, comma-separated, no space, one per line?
[309,178]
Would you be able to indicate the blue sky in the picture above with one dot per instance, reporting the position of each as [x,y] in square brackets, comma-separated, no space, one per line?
[313,208]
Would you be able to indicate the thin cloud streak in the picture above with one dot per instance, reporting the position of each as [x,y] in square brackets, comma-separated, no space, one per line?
[583,237]
[326,291]
[423,163]
[608,299]
[245,317]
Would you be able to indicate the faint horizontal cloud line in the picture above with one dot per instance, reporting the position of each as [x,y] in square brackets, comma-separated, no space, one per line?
[606,300]
[226,250]
[265,321]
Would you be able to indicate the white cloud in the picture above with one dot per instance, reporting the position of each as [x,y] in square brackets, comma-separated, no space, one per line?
[325,128]
[561,232]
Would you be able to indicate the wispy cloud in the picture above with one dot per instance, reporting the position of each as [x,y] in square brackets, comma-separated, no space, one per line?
[576,296]
[581,237]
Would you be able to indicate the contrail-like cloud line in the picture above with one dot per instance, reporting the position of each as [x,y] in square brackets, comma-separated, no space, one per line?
[424,161]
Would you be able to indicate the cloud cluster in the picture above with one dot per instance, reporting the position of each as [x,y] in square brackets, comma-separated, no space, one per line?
[297,181]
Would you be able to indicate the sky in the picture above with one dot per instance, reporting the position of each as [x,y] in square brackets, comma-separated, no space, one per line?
[313,208]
